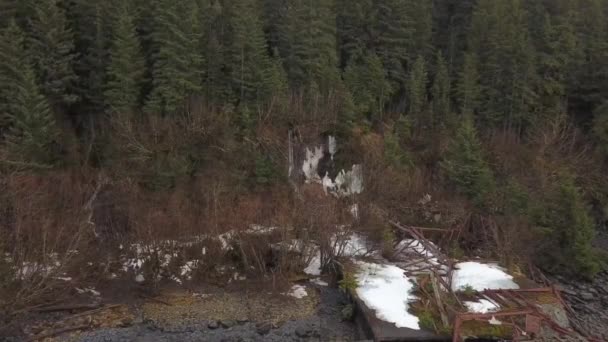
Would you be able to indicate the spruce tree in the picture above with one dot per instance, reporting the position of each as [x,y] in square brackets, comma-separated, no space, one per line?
[254,76]
[93,27]
[308,45]
[469,89]
[592,78]
[18,10]
[569,231]
[12,56]
[51,48]
[31,133]
[217,87]
[395,36]
[177,63]
[558,52]
[465,166]
[421,18]
[366,79]
[500,38]
[441,91]
[416,88]
[126,67]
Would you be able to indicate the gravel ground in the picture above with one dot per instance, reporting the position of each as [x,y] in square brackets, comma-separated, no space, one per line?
[589,300]
[324,325]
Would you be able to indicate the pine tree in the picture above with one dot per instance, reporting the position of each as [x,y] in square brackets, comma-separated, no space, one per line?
[557,54]
[8,12]
[469,89]
[569,231]
[592,78]
[18,10]
[451,23]
[126,66]
[464,164]
[31,133]
[500,39]
[416,88]
[366,79]
[93,27]
[441,91]
[51,49]
[217,87]
[308,45]
[178,61]
[395,36]
[255,78]
[12,55]
[421,18]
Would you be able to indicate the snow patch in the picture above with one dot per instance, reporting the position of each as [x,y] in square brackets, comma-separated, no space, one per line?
[347,246]
[388,291]
[297,291]
[319,281]
[314,266]
[90,290]
[494,321]
[481,277]
[482,306]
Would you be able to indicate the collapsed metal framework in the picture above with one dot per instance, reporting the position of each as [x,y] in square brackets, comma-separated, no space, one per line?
[519,311]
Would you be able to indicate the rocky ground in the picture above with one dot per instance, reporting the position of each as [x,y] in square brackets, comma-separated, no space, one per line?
[589,300]
[317,317]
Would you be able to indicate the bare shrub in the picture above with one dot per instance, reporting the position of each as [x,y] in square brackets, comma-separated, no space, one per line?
[48,224]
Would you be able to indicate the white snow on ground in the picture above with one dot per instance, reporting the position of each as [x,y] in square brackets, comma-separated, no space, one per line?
[388,291]
[494,321]
[411,246]
[88,290]
[297,291]
[481,277]
[314,266]
[319,281]
[350,246]
[483,306]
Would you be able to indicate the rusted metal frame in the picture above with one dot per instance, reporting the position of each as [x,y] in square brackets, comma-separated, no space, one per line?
[516,294]
[489,315]
[496,298]
[418,236]
[461,317]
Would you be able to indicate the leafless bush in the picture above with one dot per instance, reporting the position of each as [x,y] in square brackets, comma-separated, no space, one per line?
[48,224]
